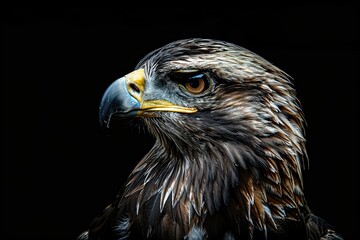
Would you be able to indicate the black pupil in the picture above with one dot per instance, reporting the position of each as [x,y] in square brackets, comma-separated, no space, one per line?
[194,81]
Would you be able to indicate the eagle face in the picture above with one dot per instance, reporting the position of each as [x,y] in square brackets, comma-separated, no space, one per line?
[202,90]
[229,147]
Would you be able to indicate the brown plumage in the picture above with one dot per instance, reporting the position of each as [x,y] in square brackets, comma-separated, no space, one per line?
[229,151]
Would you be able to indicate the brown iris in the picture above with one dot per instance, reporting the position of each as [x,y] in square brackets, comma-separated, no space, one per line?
[192,81]
[196,84]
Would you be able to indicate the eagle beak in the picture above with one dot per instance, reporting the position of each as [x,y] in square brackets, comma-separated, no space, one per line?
[124,98]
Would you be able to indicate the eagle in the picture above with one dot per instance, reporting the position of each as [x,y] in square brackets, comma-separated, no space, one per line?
[229,149]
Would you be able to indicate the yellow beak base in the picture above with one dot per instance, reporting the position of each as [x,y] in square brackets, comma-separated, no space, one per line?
[135,82]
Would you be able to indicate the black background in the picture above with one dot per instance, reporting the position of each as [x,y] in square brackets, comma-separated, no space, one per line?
[59,169]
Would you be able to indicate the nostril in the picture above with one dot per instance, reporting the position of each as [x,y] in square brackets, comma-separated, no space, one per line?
[134,88]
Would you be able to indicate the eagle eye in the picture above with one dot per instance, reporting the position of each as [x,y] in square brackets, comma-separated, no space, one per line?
[193,82]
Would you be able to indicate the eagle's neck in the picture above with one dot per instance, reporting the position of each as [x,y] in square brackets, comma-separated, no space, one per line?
[194,186]
[191,182]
